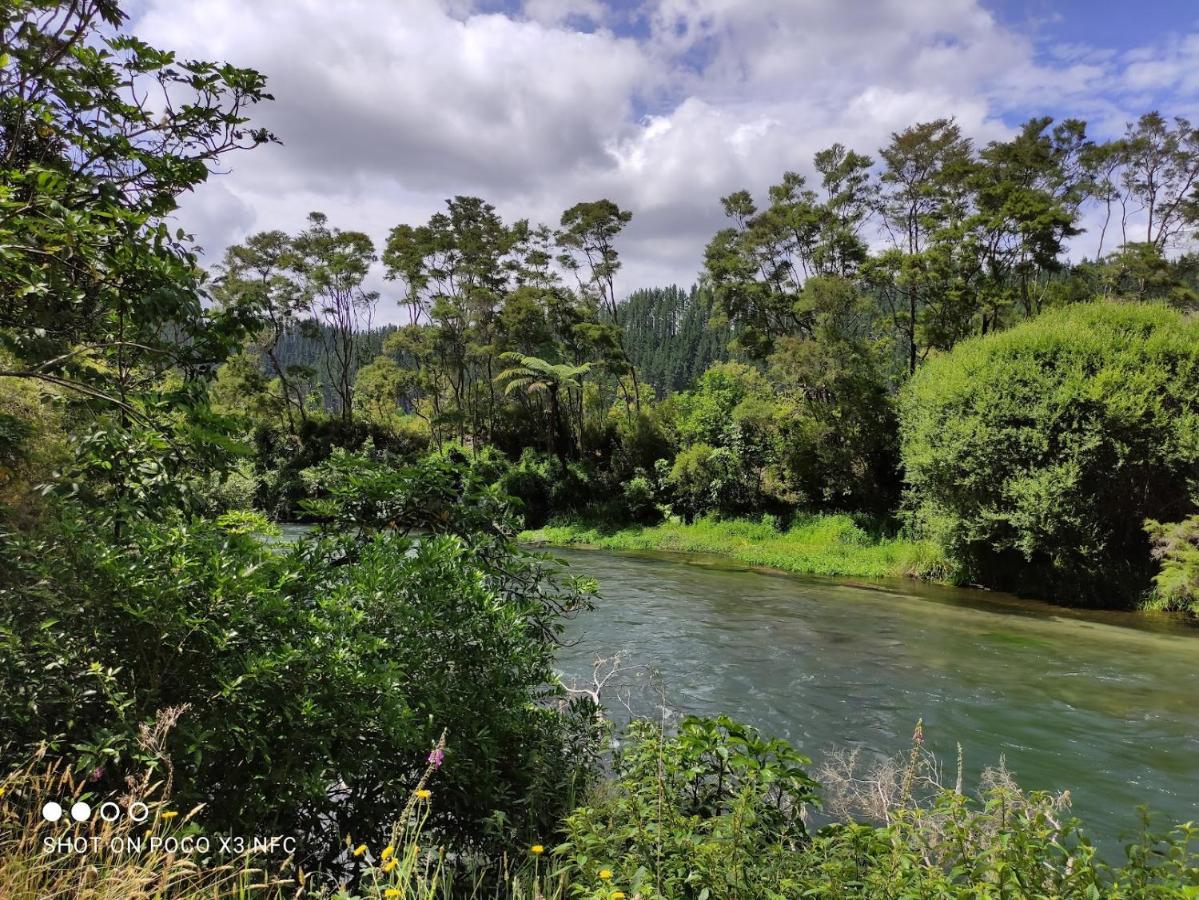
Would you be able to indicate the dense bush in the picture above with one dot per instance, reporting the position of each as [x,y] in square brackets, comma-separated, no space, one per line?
[714,811]
[1034,456]
[310,683]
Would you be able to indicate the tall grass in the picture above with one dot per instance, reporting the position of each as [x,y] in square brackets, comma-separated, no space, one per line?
[34,861]
[833,545]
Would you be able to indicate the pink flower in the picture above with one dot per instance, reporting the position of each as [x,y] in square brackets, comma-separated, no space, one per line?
[435,758]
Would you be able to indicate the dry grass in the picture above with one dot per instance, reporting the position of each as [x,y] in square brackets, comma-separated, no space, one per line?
[120,860]
[107,860]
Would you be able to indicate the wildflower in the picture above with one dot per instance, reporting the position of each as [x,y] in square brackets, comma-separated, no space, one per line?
[389,865]
[169,814]
[387,851]
[360,849]
[435,757]
[424,794]
[2,790]
[537,849]
[96,774]
[618,895]
[391,892]
[605,874]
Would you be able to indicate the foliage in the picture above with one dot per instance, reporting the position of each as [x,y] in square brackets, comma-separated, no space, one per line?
[101,134]
[316,678]
[1176,547]
[1034,456]
[706,812]
[671,335]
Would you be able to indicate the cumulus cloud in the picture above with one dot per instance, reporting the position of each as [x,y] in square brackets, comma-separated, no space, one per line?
[386,108]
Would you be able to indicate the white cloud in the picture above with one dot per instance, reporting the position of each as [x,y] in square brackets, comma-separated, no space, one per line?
[387,108]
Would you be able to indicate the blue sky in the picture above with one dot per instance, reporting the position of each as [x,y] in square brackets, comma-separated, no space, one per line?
[386,108]
[1117,24]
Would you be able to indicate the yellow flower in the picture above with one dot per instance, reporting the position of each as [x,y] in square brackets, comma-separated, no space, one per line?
[424,794]
[360,849]
[537,849]
[618,895]
[605,874]
[387,851]
[169,814]
[391,892]
[389,865]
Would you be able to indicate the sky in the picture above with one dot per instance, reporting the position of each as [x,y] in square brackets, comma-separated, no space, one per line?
[386,108]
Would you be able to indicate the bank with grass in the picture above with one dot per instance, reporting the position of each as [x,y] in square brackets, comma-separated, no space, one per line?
[835,545]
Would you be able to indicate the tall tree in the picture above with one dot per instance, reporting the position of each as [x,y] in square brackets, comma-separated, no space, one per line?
[332,266]
[533,375]
[1161,173]
[1027,195]
[926,169]
[588,238]
[99,135]
[257,275]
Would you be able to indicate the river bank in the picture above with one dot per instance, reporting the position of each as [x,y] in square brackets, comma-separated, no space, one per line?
[832,545]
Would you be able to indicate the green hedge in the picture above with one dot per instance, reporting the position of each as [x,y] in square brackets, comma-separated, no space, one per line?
[1036,455]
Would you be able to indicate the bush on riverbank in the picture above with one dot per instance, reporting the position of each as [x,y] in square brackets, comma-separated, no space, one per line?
[1034,456]
[305,686]
[833,545]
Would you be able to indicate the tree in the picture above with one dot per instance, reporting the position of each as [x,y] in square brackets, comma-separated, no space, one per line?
[256,277]
[534,375]
[588,236]
[926,168]
[758,267]
[100,135]
[332,266]
[1027,194]
[1160,174]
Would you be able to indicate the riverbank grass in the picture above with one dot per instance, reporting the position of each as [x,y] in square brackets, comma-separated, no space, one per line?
[833,545]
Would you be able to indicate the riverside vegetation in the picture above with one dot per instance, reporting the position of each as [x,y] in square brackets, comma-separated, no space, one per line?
[964,404]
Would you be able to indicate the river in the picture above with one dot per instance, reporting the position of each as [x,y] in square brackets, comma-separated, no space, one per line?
[1105,705]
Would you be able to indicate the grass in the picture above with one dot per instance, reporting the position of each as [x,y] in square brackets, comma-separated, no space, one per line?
[101,862]
[833,545]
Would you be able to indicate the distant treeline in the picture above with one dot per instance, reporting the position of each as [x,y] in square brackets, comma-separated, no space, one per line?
[671,336]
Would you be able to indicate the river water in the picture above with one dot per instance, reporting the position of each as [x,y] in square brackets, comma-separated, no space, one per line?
[1105,705]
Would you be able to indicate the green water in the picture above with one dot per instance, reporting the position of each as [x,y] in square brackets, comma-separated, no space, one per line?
[1105,705]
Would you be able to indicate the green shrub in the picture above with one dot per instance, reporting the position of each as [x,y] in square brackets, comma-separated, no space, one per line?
[707,479]
[1034,456]
[531,480]
[310,683]
[1176,547]
[639,496]
[714,811]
